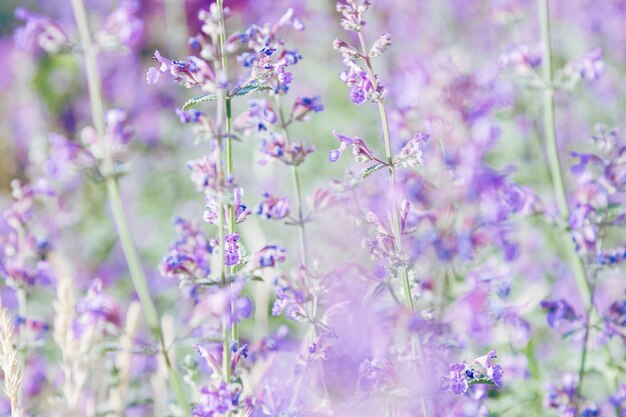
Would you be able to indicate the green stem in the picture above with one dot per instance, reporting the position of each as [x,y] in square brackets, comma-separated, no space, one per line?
[226,102]
[554,161]
[297,188]
[402,270]
[583,362]
[134,265]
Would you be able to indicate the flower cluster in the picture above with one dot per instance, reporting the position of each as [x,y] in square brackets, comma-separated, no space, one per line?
[23,261]
[462,376]
[602,183]
[190,254]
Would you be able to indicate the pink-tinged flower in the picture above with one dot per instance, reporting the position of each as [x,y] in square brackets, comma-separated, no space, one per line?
[273,207]
[305,105]
[380,45]
[360,151]
[189,256]
[258,117]
[41,29]
[195,72]
[590,67]
[218,399]
[361,86]
[241,210]
[267,257]
[458,378]
[521,59]
[217,305]
[30,328]
[65,157]
[289,153]
[412,153]
[352,13]
[122,26]
[377,376]
[321,198]
[23,255]
[97,308]
[289,299]
[113,147]
[289,19]
[204,172]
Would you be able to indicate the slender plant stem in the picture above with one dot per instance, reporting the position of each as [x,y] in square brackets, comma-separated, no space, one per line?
[297,188]
[225,102]
[395,221]
[554,162]
[583,361]
[117,209]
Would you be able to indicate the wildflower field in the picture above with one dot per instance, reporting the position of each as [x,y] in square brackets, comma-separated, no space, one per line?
[311,208]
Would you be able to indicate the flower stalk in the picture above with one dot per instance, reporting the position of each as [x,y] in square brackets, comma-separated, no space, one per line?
[225,103]
[402,270]
[115,201]
[297,188]
[554,162]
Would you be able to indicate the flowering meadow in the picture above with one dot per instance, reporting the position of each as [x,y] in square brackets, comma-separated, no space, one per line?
[311,208]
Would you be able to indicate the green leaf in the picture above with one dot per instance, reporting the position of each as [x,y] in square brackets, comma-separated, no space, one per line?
[481,380]
[238,92]
[247,89]
[371,169]
[200,99]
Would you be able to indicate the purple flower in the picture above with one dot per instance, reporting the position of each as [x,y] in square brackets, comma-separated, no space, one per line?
[461,375]
[273,207]
[304,105]
[23,258]
[380,45]
[360,151]
[267,257]
[289,19]
[204,172]
[361,86]
[231,250]
[258,117]
[521,59]
[377,376]
[352,13]
[190,116]
[113,146]
[122,25]
[218,399]
[97,308]
[458,378]
[412,152]
[189,255]
[46,32]
[241,210]
[590,67]
[291,154]
[558,311]
[191,73]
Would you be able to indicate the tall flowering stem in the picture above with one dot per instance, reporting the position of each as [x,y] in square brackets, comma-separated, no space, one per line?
[402,270]
[117,209]
[553,151]
[559,186]
[297,188]
[225,102]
